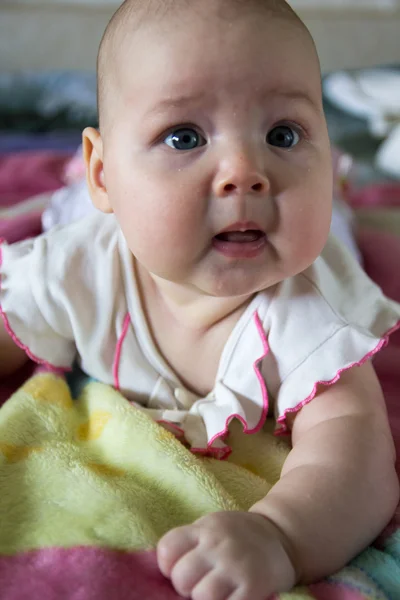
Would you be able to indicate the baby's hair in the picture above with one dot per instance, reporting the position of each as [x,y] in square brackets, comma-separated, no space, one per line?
[132,13]
[127,18]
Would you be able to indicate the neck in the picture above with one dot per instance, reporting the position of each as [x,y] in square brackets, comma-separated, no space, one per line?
[187,305]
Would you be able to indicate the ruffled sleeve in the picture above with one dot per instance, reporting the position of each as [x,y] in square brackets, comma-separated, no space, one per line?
[31,303]
[326,320]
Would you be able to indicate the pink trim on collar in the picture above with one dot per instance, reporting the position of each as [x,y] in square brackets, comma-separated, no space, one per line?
[284,429]
[44,369]
[174,429]
[16,339]
[217,453]
[118,350]
[223,453]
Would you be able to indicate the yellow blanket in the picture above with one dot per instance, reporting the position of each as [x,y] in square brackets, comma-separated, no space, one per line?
[90,477]
[98,471]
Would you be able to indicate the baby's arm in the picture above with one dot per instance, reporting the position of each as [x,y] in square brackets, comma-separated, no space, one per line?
[337,491]
[338,487]
[12,357]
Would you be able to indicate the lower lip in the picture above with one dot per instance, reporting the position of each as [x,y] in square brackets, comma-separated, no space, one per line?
[240,250]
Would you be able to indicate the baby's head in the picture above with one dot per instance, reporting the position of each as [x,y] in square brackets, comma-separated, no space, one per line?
[213,150]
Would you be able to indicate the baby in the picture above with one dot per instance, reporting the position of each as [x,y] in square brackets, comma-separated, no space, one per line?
[207,287]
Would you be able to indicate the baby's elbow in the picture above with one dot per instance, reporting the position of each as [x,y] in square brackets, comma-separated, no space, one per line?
[386,488]
[391,498]
[12,357]
[10,363]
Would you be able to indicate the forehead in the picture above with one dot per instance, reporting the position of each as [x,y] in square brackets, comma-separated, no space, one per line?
[207,55]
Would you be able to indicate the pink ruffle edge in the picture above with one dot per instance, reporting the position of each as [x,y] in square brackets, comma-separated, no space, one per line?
[282,420]
[16,339]
[223,453]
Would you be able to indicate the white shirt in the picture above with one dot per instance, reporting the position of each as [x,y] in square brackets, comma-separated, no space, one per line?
[72,293]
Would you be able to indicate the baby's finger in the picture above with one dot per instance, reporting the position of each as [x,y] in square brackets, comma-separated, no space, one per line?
[241,594]
[214,586]
[173,546]
[255,593]
[188,572]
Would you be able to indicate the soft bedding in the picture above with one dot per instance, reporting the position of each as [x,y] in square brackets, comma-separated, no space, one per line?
[26,182]
[89,483]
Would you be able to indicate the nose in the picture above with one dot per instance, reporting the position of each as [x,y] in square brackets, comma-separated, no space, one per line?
[239,175]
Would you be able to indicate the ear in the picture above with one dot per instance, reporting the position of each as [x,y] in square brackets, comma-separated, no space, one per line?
[93,157]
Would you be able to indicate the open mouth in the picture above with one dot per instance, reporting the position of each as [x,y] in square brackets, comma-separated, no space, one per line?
[240,237]
[241,242]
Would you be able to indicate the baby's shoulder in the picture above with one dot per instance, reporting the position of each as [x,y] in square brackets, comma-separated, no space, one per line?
[331,295]
[336,280]
[86,243]
[324,287]
[89,233]
[67,260]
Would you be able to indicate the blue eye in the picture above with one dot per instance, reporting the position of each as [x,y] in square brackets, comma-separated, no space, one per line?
[283,136]
[184,139]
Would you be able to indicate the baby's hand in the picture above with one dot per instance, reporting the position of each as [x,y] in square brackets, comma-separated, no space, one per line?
[226,555]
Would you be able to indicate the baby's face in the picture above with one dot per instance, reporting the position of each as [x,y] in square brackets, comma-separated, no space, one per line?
[216,158]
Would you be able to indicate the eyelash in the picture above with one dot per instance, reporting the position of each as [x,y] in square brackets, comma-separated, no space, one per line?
[299,129]
[177,127]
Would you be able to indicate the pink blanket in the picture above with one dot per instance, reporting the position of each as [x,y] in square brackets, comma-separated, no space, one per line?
[381,252]
[23,175]
[28,173]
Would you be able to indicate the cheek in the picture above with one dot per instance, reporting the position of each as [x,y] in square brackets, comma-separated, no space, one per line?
[306,216]
[157,217]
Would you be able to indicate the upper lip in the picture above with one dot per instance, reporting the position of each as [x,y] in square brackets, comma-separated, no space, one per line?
[242,226]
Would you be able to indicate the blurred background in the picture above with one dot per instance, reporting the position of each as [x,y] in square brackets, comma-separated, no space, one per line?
[64,34]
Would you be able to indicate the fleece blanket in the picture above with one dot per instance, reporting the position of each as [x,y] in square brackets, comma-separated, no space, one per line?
[88,486]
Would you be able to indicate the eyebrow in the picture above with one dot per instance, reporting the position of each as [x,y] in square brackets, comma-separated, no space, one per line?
[296,95]
[176,102]
[186,99]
